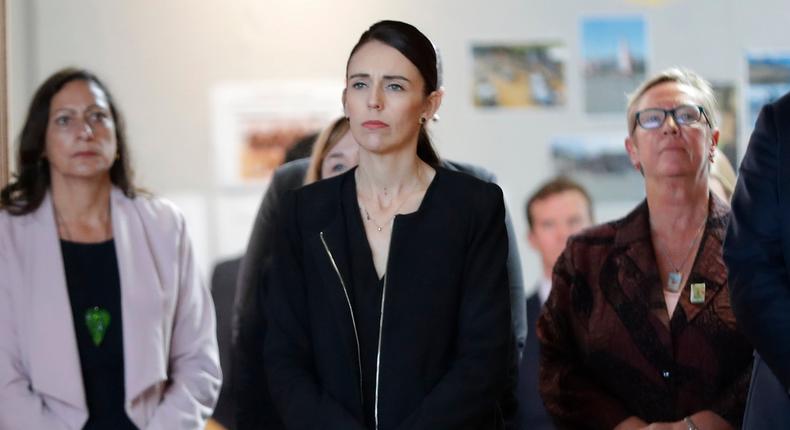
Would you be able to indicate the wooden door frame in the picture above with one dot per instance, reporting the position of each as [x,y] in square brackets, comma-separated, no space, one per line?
[4,113]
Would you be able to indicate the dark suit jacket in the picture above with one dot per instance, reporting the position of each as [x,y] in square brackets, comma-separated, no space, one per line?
[254,409]
[608,347]
[532,414]
[223,291]
[445,337]
[757,248]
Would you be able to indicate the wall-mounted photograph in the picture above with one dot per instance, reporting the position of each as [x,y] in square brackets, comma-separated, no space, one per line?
[519,75]
[601,163]
[768,79]
[727,98]
[256,123]
[614,60]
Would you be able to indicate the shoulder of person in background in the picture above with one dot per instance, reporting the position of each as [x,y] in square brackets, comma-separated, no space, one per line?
[470,169]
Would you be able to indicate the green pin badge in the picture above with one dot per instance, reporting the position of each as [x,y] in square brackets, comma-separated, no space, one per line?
[97,320]
[697,293]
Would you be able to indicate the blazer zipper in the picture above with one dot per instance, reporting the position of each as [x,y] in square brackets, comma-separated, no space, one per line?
[381,325]
[350,311]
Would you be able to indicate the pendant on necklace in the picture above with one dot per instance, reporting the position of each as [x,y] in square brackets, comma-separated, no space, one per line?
[97,320]
[673,281]
[378,228]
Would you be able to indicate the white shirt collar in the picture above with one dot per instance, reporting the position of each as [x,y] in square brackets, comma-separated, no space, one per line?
[544,288]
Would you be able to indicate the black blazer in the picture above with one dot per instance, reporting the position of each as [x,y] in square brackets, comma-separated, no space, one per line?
[223,289]
[757,246]
[252,402]
[446,333]
[253,405]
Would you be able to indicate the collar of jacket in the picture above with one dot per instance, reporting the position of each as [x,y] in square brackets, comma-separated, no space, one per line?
[633,234]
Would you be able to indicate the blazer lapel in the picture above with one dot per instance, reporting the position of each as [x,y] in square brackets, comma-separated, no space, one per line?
[709,267]
[145,328]
[55,368]
[641,297]
[638,274]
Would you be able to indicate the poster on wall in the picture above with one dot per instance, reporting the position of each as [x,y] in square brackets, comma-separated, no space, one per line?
[256,123]
[519,75]
[769,79]
[614,61]
[599,162]
[728,120]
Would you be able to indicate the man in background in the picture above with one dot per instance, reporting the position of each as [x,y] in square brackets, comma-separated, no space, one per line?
[557,210]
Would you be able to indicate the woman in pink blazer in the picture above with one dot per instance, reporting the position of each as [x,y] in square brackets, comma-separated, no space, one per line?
[104,322]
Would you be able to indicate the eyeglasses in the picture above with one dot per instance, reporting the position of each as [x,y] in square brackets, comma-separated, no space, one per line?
[653,118]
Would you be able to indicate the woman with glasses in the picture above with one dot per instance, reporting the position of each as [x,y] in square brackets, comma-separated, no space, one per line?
[638,331]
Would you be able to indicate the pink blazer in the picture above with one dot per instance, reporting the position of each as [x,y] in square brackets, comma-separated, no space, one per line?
[171,359]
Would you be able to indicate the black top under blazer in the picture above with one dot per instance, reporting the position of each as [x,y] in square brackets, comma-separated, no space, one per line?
[446,331]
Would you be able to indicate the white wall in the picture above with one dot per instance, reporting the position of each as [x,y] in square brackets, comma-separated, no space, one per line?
[161,58]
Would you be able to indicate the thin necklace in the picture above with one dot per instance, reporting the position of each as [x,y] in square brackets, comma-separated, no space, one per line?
[675,277]
[380,227]
[68,237]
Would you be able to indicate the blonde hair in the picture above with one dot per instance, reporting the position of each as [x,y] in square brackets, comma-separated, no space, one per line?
[721,169]
[680,76]
[323,144]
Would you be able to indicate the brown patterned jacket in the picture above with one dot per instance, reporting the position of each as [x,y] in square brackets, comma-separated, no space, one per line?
[608,347]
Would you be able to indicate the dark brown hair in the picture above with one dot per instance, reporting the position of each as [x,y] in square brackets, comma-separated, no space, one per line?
[418,49]
[557,185]
[30,184]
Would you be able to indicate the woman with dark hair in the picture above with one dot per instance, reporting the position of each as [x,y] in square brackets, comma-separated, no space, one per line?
[389,304]
[104,322]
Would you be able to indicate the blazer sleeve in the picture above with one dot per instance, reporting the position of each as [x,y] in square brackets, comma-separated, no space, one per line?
[754,249]
[20,407]
[571,395]
[477,377]
[518,312]
[253,407]
[194,374]
[288,358]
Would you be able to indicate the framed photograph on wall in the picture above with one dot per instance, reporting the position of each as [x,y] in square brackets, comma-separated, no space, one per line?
[256,123]
[598,161]
[613,59]
[768,79]
[726,96]
[519,75]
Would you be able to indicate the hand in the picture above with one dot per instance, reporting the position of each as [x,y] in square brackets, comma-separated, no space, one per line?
[631,423]
[677,425]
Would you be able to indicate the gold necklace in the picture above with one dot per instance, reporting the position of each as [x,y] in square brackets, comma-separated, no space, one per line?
[675,276]
[392,218]
[380,227]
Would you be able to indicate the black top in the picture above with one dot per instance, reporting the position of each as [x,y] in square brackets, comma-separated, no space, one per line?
[366,294]
[93,281]
[446,339]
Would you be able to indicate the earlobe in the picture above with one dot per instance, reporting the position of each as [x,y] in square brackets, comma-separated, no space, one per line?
[434,101]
